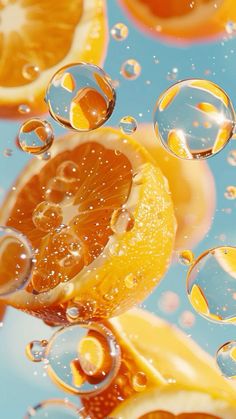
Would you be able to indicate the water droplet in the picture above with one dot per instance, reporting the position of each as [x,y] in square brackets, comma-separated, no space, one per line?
[194,119]
[211,284]
[130,281]
[232,158]
[24,109]
[172,75]
[68,170]
[168,302]
[35,350]
[230,27]
[60,191]
[30,71]
[128,125]
[7,152]
[45,156]
[119,32]
[16,261]
[139,381]
[230,192]
[47,216]
[226,359]
[130,69]
[186,257]
[84,357]
[122,221]
[72,313]
[35,136]
[56,409]
[80,97]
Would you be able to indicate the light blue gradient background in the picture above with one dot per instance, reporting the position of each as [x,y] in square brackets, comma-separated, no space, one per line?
[23,383]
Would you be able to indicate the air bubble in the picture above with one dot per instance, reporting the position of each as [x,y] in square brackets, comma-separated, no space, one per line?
[80,97]
[194,119]
[130,69]
[232,158]
[226,359]
[122,221]
[186,257]
[35,350]
[230,192]
[24,109]
[31,71]
[35,136]
[119,32]
[47,216]
[139,381]
[128,125]
[56,409]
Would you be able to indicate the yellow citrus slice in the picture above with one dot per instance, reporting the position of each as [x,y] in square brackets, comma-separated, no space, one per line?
[169,353]
[191,184]
[117,220]
[38,39]
[198,300]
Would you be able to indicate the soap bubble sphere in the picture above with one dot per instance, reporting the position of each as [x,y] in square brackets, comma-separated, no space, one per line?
[35,350]
[119,32]
[130,69]
[56,409]
[16,261]
[35,136]
[194,119]
[83,358]
[80,97]
[211,284]
[226,359]
[128,124]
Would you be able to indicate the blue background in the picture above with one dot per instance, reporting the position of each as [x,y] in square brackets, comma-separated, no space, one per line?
[23,383]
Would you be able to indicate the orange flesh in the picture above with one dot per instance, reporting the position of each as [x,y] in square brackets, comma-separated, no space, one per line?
[172,8]
[42,36]
[167,415]
[102,184]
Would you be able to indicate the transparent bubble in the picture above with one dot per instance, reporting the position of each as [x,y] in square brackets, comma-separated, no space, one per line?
[7,152]
[130,281]
[83,358]
[80,310]
[173,74]
[60,191]
[16,261]
[56,409]
[30,71]
[226,359]
[47,216]
[187,319]
[186,257]
[80,97]
[230,192]
[232,158]
[139,381]
[130,69]
[35,350]
[230,27]
[119,32]
[24,109]
[194,119]
[168,302]
[35,136]
[211,284]
[45,156]
[68,170]
[122,221]
[128,125]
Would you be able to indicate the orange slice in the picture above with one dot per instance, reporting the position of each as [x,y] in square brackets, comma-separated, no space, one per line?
[154,354]
[182,21]
[45,37]
[117,219]
[191,183]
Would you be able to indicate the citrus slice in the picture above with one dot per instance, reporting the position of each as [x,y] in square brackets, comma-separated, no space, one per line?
[162,349]
[191,185]
[117,220]
[38,39]
[183,21]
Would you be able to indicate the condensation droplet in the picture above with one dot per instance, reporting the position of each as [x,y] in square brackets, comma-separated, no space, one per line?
[230,192]
[128,125]
[35,350]
[47,216]
[226,359]
[80,97]
[68,170]
[119,31]
[186,257]
[130,69]
[139,381]
[30,71]
[35,136]
[130,281]
[122,221]
[24,109]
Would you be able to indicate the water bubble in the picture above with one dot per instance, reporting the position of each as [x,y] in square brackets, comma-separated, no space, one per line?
[56,409]
[139,381]
[194,119]
[45,156]
[187,319]
[186,257]
[128,125]
[130,281]
[230,192]
[72,313]
[122,221]
[80,97]
[83,310]
[172,75]
[130,69]
[30,71]
[230,27]
[226,359]
[119,31]
[83,358]
[7,152]
[47,216]
[68,170]
[168,302]
[35,136]
[211,284]
[232,158]
[16,261]
[24,109]
[60,191]
[35,350]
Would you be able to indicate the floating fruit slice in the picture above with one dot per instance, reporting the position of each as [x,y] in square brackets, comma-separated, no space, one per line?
[191,184]
[176,358]
[38,39]
[183,21]
[92,177]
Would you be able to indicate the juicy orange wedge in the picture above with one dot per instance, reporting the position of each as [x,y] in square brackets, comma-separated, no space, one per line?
[33,47]
[98,212]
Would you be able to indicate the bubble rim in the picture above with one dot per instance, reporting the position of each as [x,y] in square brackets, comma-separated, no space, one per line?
[51,402]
